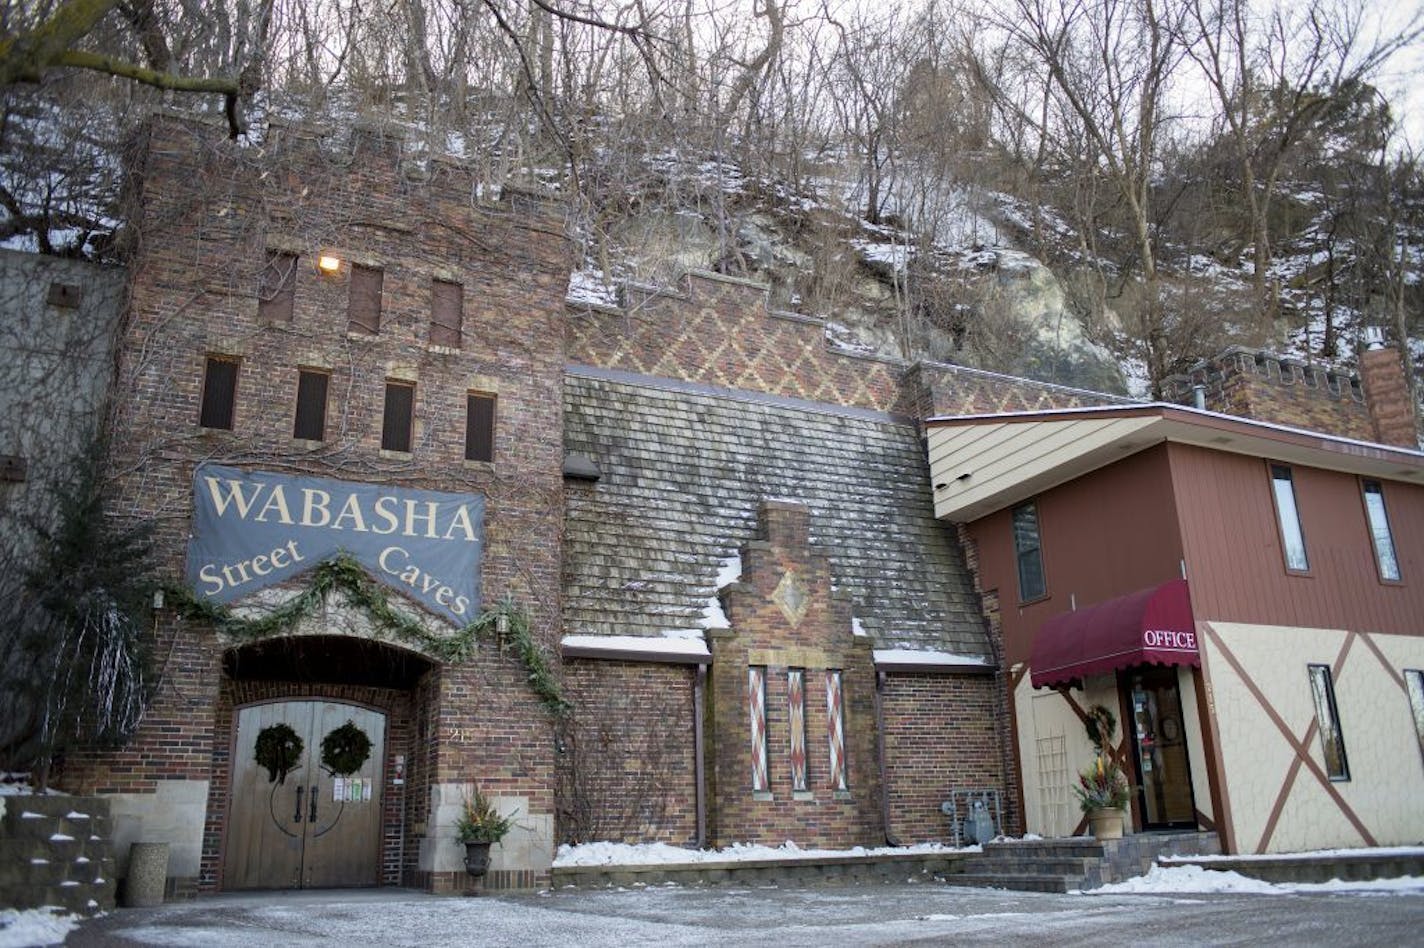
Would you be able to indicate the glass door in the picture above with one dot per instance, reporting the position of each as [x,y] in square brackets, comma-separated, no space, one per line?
[1164,779]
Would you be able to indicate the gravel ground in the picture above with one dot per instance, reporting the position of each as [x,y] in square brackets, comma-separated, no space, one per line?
[927,913]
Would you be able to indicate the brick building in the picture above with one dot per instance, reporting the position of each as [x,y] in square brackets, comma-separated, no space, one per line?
[720,530]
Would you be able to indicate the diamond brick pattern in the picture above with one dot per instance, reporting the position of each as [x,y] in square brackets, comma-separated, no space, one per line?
[792,598]
[796,710]
[756,710]
[835,716]
[683,475]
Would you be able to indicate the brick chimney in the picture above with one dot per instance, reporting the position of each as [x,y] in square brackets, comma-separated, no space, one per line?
[1387,396]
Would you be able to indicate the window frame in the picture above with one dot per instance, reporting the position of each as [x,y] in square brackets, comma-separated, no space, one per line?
[277,303]
[1331,708]
[360,273]
[760,758]
[1365,484]
[304,373]
[471,398]
[209,361]
[449,336]
[1414,694]
[386,416]
[1036,550]
[1273,470]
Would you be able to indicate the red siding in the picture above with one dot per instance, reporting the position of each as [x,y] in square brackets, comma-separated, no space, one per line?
[1104,535]
[1237,570]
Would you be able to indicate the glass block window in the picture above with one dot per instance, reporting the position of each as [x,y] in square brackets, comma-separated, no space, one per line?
[835,720]
[756,708]
[796,716]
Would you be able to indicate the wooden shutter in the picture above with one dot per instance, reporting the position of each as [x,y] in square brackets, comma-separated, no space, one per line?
[277,290]
[310,424]
[479,427]
[363,305]
[447,305]
[219,393]
[396,424]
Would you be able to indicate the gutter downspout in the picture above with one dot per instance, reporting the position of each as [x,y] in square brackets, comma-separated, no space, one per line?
[890,838]
[698,685]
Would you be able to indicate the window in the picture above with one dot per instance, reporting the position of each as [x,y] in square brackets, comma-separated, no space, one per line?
[796,718]
[756,708]
[479,427]
[1332,742]
[1292,539]
[397,421]
[277,288]
[1379,532]
[310,424]
[447,305]
[835,722]
[1027,551]
[363,299]
[219,393]
[1414,684]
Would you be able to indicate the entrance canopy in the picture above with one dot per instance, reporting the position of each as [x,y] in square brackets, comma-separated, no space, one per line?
[1153,626]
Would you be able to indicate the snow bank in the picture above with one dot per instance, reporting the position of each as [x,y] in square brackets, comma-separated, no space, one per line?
[1194,879]
[34,927]
[653,854]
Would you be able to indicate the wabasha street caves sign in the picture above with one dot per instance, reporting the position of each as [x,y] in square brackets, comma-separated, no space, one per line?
[254,528]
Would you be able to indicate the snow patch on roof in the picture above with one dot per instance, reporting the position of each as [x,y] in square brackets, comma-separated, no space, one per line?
[656,645]
[912,657]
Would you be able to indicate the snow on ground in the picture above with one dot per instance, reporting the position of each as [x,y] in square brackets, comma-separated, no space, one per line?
[1194,879]
[652,854]
[34,927]
[1316,854]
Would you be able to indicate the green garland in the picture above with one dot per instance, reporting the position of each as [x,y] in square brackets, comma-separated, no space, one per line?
[345,574]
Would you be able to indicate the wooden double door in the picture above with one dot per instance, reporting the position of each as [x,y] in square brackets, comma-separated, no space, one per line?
[306,826]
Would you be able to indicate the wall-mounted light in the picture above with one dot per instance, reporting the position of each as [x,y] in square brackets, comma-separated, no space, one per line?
[328,265]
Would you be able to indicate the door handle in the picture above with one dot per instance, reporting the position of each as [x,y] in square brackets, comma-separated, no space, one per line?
[297,816]
[312,816]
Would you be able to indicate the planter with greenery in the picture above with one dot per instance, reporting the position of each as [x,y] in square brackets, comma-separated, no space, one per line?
[480,826]
[1102,789]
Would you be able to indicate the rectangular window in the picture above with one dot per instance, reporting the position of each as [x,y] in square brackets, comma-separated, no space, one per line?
[1379,532]
[310,424]
[219,393]
[1414,684]
[277,288]
[447,313]
[363,299]
[479,427]
[1028,552]
[398,418]
[835,721]
[1292,539]
[1332,742]
[796,717]
[756,707]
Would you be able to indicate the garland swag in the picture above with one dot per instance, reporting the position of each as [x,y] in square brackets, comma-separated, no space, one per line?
[345,574]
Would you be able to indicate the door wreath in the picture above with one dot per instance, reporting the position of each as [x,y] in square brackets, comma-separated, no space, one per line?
[345,749]
[278,750]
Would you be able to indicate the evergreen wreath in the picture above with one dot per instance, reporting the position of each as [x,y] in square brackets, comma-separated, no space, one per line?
[278,750]
[345,749]
[343,572]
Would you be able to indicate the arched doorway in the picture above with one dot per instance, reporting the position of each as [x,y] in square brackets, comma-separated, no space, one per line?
[316,792]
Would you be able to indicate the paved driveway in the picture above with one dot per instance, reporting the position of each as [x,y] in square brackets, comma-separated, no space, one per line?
[927,913]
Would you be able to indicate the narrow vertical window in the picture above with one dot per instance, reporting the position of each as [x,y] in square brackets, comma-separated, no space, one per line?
[835,721]
[796,716]
[1292,538]
[310,424]
[1379,532]
[479,427]
[1414,684]
[396,423]
[219,393]
[1029,553]
[1327,716]
[756,707]
[363,299]
[447,313]
[277,288]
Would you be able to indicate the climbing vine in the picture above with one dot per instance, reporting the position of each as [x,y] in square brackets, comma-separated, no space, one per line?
[343,573]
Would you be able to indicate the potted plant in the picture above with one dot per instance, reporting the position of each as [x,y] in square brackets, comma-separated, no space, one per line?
[480,827]
[1102,789]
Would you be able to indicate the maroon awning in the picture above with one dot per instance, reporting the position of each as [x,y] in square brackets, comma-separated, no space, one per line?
[1149,627]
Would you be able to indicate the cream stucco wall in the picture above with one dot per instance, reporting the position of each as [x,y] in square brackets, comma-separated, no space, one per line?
[529,845]
[1386,784]
[1044,720]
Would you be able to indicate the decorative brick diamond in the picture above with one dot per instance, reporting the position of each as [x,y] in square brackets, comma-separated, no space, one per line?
[792,597]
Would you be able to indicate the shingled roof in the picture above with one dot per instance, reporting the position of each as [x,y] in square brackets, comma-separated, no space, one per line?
[683,471]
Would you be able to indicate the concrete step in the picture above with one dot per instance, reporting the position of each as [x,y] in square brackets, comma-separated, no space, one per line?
[1352,867]
[1027,865]
[1040,882]
[1073,847]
